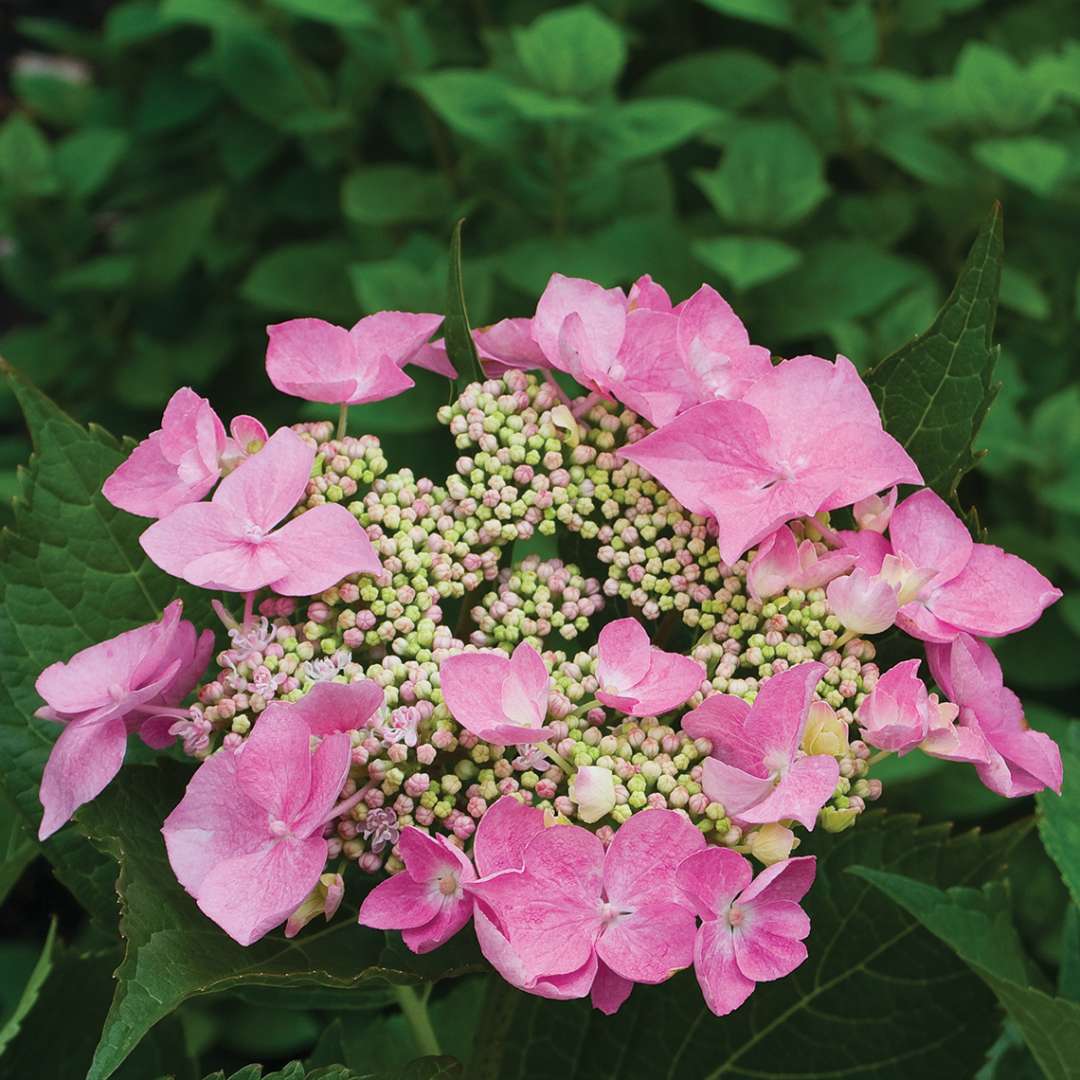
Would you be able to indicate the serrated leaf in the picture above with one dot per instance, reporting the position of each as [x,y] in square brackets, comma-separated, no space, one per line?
[977,924]
[173,952]
[934,392]
[918,1009]
[71,574]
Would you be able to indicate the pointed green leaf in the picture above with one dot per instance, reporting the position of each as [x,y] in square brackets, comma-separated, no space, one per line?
[31,990]
[977,924]
[934,392]
[1059,819]
[456,329]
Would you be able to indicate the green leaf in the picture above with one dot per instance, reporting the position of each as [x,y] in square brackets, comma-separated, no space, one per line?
[428,1068]
[394,195]
[1022,293]
[303,279]
[651,126]
[771,176]
[574,51]
[727,78]
[214,14]
[1055,443]
[169,238]
[86,159]
[173,952]
[994,89]
[456,329]
[473,103]
[869,965]
[26,159]
[978,925]
[1059,820]
[776,13]
[31,990]
[747,261]
[1031,161]
[18,848]
[921,155]
[71,574]
[347,13]
[934,391]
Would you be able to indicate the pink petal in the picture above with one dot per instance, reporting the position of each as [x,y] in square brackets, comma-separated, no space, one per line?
[880,461]
[428,858]
[623,654]
[609,991]
[395,335]
[268,485]
[399,903]
[720,718]
[503,834]
[81,763]
[599,327]
[874,512]
[807,787]
[787,880]
[213,822]
[329,771]
[712,878]
[646,374]
[763,956]
[378,379]
[248,433]
[895,715]
[722,983]
[995,594]
[642,859]
[869,548]
[509,344]
[776,721]
[329,707]
[863,603]
[319,548]
[918,621]
[433,357]
[646,293]
[148,484]
[450,918]
[274,768]
[312,359]
[737,790]
[650,944]
[472,685]
[967,669]
[525,693]
[775,565]
[1029,762]
[669,682]
[817,570]
[924,529]
[716,349]
[249,895]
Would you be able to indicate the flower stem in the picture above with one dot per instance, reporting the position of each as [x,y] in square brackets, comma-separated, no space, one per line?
[342,421]
[881,755]
[581,710]
[249,608]
[551,752]
[414,1008]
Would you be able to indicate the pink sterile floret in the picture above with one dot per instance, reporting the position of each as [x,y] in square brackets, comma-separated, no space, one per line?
[638,679]
[128,683]
[317,361]
[865,603]
[1017,761]
[500,699]
[781,564]
[246,841]
[330,707]
[900,714]
[752,931]
[232,542]
[948,584]
[756,769]
[427,902]
[182,461]
[805,437]
[572,907]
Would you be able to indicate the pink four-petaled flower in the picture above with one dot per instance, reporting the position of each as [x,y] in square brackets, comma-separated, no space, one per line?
[234,541]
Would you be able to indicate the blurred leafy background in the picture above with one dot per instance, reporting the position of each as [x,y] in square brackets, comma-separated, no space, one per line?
[175,174]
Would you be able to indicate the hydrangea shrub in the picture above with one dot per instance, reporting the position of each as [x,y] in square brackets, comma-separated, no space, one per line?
[599,704]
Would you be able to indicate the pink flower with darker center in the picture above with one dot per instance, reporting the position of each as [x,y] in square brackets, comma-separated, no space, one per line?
[182,461]
[235,541]
[317,361]
[752,930]
[804,438]
[756,768]
[638,679]
[132,682]
[246,841]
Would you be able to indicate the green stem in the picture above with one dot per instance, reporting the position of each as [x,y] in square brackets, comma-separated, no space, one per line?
[559,760]
[581,710]
[881,755]
[843,639]
[342,421]
[414,1009]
